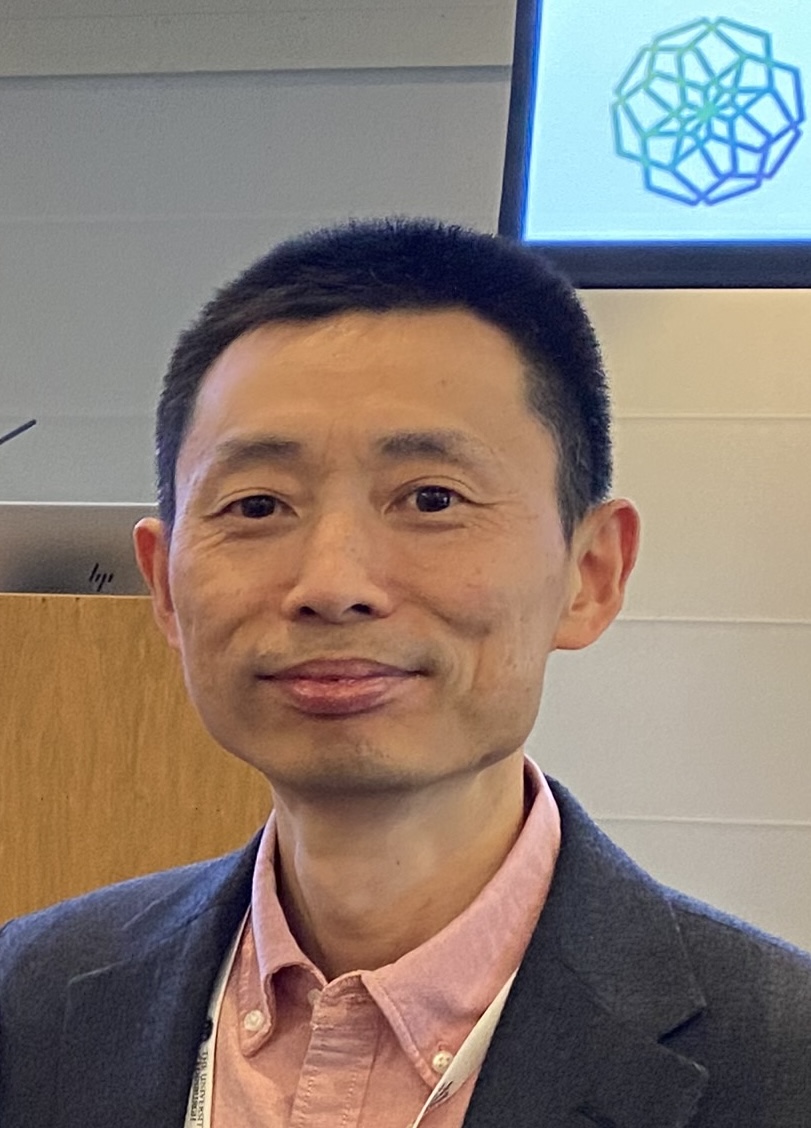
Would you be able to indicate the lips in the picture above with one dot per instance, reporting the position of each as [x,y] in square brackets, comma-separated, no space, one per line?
[341,687]
[333,668]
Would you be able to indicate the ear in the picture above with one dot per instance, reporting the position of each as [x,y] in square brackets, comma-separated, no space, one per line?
[603,553]
[151,543]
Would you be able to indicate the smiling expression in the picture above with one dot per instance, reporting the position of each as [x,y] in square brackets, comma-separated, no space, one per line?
[368,487]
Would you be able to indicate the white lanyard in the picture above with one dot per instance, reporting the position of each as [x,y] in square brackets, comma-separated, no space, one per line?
[465,1063]
[198,1112]
[469,1056]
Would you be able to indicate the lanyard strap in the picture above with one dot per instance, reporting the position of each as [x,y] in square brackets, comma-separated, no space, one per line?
[198,1111]
[467,1060]
[469,1056]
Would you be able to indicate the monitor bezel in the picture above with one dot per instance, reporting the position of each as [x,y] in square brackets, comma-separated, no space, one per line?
[628,265]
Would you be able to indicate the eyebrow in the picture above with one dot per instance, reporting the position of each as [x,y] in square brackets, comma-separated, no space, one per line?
[457,447]
[448,445]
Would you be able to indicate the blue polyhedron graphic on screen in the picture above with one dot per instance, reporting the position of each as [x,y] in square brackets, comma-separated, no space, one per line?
[707,111]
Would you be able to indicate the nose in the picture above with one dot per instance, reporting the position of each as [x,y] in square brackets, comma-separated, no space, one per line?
[338,571]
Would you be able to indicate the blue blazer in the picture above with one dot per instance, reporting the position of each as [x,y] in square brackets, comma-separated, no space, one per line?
[634,1007]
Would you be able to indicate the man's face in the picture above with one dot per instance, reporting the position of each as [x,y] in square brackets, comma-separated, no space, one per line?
[369,488]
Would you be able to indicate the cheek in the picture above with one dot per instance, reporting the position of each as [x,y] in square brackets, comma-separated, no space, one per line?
[508,634]
[209,605]
[508,626]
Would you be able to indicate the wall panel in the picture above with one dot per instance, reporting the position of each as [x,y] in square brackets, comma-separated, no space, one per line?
[126,201]
[758,873]
[685,720]
[706,352]
[726,507]
[149,36]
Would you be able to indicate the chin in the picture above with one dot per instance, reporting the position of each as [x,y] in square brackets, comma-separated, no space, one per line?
[343,768]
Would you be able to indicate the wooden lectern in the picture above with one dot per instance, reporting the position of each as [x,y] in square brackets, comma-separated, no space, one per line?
[106,771]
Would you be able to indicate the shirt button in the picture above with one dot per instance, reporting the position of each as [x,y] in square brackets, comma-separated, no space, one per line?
[253,1021]
[441,1061]
[313,996]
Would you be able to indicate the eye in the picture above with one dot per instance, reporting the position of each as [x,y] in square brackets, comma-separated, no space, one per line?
[255,507]
[434,499]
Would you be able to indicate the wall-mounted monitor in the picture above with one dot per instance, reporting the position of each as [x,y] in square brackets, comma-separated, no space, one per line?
[662,142]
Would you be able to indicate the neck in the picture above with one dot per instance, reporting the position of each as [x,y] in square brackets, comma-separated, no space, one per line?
[365,879]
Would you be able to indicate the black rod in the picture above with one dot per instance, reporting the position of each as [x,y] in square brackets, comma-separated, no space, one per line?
[17,431]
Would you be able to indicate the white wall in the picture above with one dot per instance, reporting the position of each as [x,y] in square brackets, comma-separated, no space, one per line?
[687,727]
[125,199]
[137,36]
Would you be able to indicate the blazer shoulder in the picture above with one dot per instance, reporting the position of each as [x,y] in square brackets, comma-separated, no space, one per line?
[114,944]
[732,956]
[102,927]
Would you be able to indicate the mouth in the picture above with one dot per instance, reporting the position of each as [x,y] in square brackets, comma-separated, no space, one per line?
[341,687]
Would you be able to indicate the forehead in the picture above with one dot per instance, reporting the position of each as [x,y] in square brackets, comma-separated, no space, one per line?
[432,359]
[335,389]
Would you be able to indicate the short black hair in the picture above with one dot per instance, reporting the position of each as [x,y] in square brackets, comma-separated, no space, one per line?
[382,265]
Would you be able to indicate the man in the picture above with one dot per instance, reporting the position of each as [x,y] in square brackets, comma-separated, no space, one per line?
[384,465]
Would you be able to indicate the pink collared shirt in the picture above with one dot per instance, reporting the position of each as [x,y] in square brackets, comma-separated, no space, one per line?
[366,1049]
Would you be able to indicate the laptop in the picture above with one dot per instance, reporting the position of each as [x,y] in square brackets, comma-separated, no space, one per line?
[75,548]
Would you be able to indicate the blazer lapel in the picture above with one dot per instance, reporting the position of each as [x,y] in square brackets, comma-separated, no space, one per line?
[132,1029]
[560,1059]
[604,980]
